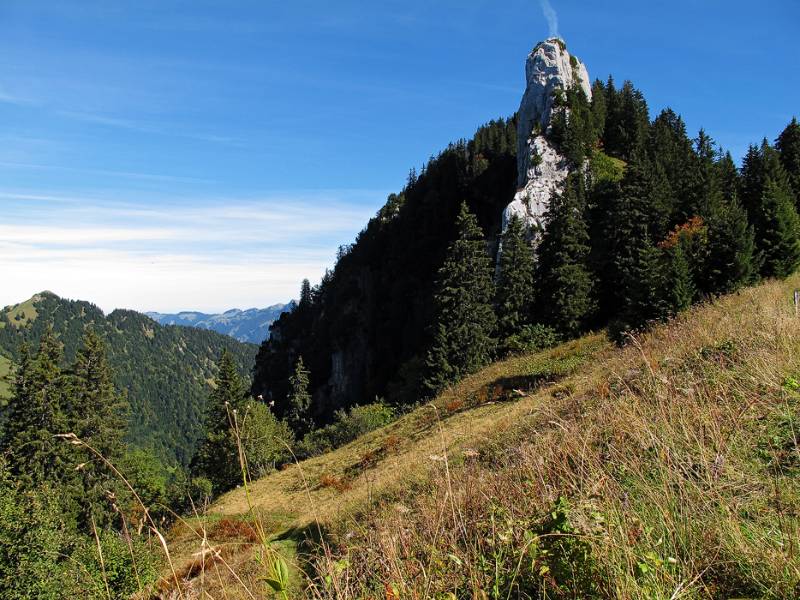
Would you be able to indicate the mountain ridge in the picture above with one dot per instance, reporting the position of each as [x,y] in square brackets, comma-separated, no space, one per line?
[165,370]
[246,325]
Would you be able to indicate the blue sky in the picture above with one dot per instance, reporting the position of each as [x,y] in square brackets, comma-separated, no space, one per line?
[165,154]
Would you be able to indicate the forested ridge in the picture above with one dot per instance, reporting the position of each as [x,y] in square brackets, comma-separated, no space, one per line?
[165,371]
[651,220]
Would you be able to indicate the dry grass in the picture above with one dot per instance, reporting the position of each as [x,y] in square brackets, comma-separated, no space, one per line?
[325,490]
[664,470]
[667,469]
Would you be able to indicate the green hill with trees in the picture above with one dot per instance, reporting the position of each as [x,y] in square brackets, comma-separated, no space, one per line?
[164,371]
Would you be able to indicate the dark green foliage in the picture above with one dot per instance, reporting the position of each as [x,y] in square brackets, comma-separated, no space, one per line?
[465,319]
[372,316]
[680,280]
[163,370]
[514,289]
[788,144]
[299,416]
[627,121]
[532,338]
[778,227]
[625,218]
[96,413]
[34,415]
[348,426]
[572,126]
[217,457]
[646,292]
[670,148]
[266,442]
[731,260]
[565,285]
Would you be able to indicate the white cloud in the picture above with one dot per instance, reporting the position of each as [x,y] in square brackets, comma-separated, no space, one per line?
[205,255]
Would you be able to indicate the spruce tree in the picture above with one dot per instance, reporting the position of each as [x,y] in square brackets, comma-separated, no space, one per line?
[638,214]
[35,415]
[646,290]
[680,281]
[778,227]
[217,457]
[299,400]
[514,291]
[565,300]
[731,260]
[752,181]
[669,147]
[788,144]
[96,413]
[465,318]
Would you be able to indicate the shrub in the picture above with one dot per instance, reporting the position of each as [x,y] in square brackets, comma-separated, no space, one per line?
[348,426]
[265,440]
[532,338]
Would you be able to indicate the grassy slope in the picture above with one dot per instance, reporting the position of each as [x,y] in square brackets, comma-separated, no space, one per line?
[22,313]
[677,455]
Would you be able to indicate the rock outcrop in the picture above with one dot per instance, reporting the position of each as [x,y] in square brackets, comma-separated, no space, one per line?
[541,170]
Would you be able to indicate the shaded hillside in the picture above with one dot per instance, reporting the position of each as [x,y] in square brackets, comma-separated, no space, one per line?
[363,331]
[165,371]
[667,468]
[251,325]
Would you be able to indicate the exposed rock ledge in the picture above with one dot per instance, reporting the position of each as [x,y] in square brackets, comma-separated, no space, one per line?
[541,170]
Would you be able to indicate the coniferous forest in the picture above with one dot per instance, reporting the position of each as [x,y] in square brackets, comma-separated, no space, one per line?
[651,220]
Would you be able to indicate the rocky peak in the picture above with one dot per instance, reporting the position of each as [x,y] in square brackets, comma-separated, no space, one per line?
[541,169]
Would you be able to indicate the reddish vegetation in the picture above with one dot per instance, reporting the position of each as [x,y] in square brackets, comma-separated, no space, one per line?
[694,227]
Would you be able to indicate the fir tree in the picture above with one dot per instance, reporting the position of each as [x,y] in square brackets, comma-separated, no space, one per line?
[638,214]
[731,260]
[299,400]
[680,281]
[646,287]
[35,416]
[778,227]
[565,300]
[514,292]
[217,457]
[465,319]
[96,414]
[788,144]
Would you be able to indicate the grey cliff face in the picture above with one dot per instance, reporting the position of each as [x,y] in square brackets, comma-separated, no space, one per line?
[541,170]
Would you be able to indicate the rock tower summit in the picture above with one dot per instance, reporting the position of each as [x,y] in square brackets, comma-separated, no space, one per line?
[541,169]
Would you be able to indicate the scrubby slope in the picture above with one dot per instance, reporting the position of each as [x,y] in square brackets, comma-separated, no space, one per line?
[666,469]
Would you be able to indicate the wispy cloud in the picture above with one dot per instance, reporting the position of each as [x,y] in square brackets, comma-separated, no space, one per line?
[165,129]
[105,172]
[206,254]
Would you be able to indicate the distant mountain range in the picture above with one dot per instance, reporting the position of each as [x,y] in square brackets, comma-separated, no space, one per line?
[251,325]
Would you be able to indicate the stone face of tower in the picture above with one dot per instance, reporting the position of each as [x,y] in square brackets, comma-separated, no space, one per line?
[541,169]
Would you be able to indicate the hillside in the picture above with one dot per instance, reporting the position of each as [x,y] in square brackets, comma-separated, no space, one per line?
[667,468]
[251,325]
[165,371]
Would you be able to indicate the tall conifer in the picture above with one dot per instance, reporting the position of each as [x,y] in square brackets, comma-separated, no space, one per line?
[514,292]
[566,291]
[217,457]
[788,144]
[465,318]
[299,400]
